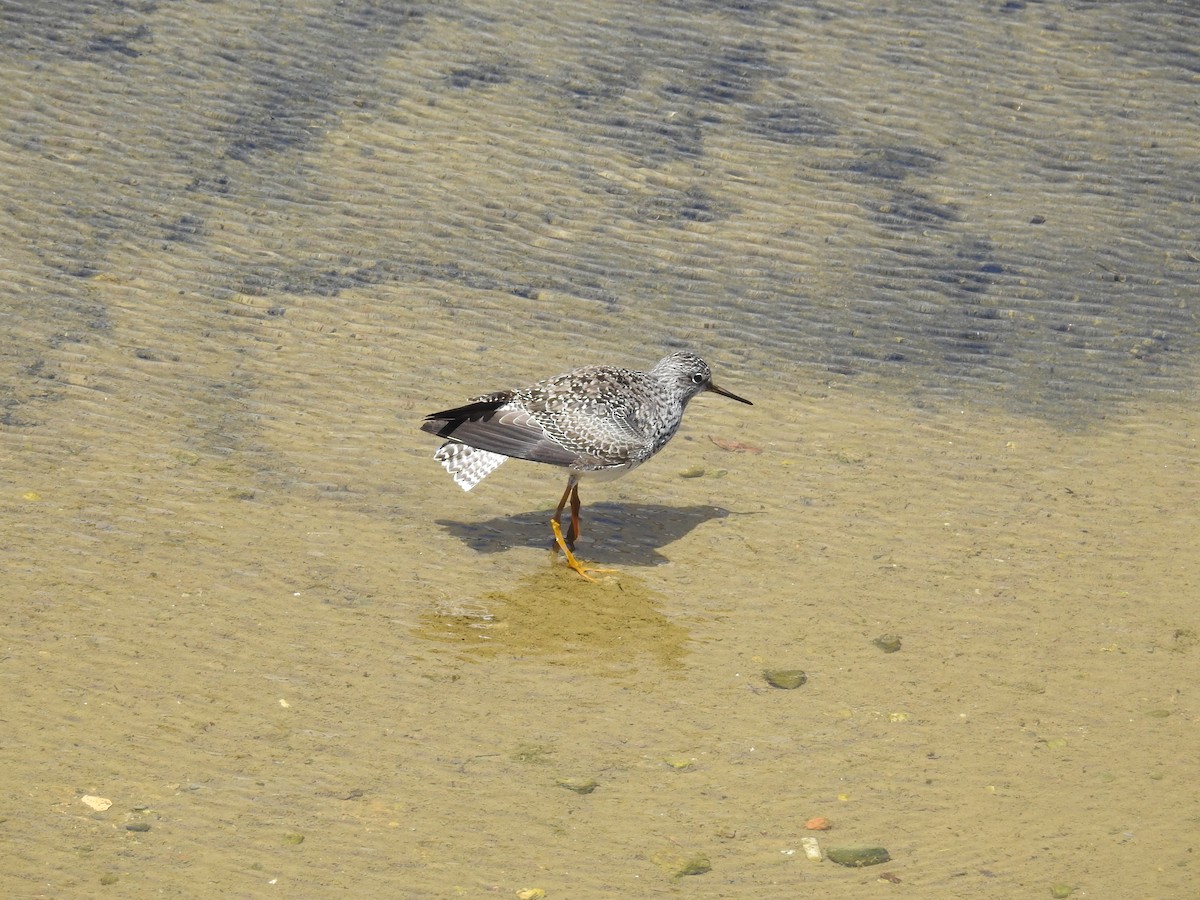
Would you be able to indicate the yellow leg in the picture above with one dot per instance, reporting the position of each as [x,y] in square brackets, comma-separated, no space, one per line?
[571,560]
[573,534]
[569,544]
[566,544]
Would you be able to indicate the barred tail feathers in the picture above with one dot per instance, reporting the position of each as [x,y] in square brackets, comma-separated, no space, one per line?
[468,465]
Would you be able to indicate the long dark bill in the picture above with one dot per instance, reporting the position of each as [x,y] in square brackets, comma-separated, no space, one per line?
[730,394]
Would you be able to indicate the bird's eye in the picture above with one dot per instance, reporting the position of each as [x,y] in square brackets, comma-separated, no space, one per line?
[697,378]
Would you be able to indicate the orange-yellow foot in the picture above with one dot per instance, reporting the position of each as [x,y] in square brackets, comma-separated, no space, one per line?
[572,562]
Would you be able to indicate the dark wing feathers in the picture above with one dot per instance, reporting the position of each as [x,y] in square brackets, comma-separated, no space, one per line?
[445,422]
[485,424]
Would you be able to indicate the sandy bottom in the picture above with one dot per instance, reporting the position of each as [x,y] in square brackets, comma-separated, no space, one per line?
[328,690]
[948,250]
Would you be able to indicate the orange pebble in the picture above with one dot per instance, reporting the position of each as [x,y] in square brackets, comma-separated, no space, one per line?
[818,823]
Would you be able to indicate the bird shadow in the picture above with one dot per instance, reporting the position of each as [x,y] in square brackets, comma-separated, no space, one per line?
[631,533]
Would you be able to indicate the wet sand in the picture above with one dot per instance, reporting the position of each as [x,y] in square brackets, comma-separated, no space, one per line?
[245,252]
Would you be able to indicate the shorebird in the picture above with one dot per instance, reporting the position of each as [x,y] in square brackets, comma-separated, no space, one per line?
[596,421]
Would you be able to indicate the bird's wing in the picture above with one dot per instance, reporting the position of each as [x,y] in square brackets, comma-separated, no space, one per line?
[600,438]
[491,425]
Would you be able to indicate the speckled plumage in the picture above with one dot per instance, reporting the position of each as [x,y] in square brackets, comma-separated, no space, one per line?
[595,419]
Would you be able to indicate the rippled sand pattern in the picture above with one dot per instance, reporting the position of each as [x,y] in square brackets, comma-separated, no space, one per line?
[949,251]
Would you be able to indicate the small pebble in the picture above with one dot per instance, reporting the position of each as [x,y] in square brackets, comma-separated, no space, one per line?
[578,785]
[697,865]
[138,826]
[678,863]
[786,679]
[888,643]
[858,856]
[812,848]
[1061,891]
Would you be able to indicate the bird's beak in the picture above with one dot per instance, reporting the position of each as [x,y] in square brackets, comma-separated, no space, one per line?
[730,394]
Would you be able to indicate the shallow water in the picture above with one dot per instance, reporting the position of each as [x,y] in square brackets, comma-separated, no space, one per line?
[951,258]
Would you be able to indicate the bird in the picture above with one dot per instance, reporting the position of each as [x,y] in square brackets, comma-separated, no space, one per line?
[594,421]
